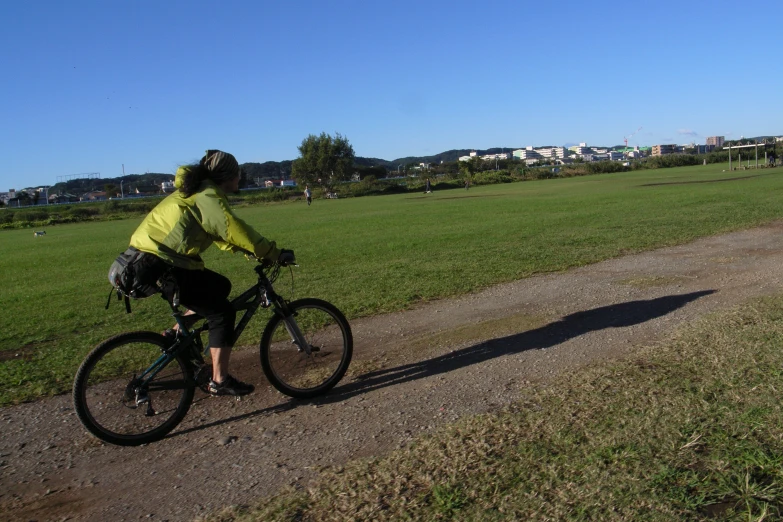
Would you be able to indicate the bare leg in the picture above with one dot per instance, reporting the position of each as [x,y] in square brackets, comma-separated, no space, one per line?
[220,358]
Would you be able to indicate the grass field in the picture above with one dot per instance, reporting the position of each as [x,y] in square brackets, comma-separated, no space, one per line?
[369,255]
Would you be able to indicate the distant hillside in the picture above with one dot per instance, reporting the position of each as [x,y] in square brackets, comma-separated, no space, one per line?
[255,172]
[129,183]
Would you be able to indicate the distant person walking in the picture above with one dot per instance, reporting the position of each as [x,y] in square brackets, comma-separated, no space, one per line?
[308,194]
[427,186]
[467,183]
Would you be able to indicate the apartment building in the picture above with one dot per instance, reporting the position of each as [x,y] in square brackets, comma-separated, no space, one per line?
[716,141]
[528,153]
[552,152]
[660,150]
[581,149]
[469,157]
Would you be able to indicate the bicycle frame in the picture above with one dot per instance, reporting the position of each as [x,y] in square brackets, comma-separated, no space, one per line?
[262,294]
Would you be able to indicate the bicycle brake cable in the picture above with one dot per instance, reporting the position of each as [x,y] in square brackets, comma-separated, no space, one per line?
[291,269]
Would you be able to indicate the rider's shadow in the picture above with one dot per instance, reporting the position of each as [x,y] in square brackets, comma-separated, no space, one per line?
[571,326]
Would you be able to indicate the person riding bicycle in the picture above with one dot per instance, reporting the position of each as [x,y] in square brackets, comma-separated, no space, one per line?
[185,224]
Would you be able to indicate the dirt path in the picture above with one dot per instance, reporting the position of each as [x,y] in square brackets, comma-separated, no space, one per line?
[412,372]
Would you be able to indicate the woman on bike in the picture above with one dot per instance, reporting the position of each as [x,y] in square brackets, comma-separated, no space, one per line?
[185,224]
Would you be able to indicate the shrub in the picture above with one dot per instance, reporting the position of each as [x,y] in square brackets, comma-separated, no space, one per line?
[31,216]
[84,212]
[491,177]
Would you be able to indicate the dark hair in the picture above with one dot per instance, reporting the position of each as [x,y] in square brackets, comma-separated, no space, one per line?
[216,165]
[192,177]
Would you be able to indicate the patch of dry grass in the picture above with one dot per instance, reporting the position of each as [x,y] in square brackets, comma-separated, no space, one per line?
[688,429]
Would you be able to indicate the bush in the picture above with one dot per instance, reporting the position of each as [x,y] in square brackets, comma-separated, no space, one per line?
[83,212]
[491,177]
[266,196]
[31,216]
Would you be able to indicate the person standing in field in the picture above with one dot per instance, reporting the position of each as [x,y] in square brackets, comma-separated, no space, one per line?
[183,225]
[427,186]
[308,194]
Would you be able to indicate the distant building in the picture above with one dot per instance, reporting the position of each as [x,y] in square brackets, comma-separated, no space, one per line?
[552,152]
[526,154]
[701,149]
[581,149]
[97,195]
[716,141]
[63,198]
[498,156]
[661,150]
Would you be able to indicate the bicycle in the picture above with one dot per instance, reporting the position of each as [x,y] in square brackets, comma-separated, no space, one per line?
[136,387]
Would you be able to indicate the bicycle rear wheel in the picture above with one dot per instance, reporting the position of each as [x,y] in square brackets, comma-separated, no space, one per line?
[288,367]
[115,405]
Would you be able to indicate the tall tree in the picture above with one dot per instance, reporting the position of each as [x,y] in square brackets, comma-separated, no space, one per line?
[323,160]
[24,198]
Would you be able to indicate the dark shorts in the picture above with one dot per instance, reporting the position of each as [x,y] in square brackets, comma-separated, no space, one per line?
[206,293]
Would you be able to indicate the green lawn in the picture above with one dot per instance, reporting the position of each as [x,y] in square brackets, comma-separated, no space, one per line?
[369,255]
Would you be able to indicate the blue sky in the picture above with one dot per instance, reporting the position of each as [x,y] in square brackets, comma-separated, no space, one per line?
[92,86]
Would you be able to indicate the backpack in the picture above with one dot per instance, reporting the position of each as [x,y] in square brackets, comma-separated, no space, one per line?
[135,274]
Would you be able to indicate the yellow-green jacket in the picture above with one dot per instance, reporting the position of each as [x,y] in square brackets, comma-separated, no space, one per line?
[178,229]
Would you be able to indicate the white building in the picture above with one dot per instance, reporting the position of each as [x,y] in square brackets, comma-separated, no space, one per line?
[498,156]
[552,152]
[528,153]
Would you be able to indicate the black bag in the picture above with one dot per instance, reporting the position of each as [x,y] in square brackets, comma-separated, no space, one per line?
[135,274]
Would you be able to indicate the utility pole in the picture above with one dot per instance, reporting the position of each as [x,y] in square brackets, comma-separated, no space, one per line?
[122,193]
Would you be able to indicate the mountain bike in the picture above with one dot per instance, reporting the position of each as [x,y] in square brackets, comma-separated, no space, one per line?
[136,387]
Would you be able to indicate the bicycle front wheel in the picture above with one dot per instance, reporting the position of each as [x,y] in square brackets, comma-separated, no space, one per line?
[118,403]
[305,372]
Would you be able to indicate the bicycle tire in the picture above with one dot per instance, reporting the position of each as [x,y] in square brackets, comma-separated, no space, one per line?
[293,372]
[107,402]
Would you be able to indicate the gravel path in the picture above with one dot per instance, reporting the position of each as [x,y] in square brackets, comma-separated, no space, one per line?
[412,371]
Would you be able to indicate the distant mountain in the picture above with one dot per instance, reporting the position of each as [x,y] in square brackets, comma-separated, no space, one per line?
[449,155]
[282,169]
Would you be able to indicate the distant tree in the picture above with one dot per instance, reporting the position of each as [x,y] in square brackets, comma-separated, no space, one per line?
[376,172]
[24,198]
[111,190]
[324,160]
